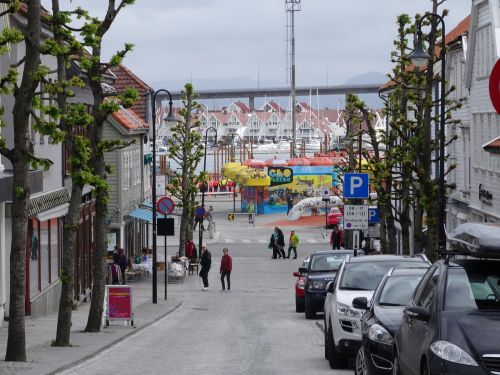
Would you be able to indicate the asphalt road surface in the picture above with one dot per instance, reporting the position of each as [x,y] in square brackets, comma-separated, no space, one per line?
[253,329]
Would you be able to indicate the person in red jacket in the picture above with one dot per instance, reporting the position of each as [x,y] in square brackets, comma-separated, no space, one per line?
[226,265]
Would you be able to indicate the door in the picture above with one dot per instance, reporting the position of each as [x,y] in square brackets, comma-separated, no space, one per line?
[416,334]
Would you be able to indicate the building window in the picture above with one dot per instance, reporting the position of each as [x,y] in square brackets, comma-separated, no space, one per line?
[44,253]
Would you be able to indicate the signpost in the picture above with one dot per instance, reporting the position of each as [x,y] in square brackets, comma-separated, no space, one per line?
[373,215]
[355,216]
[166,228]
[161,183]
[165,205]
[356,185]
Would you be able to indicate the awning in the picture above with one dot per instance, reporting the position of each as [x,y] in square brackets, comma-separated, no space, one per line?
[141,214]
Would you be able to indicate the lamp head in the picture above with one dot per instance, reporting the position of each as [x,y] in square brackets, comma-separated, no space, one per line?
[419,57]
[170,117]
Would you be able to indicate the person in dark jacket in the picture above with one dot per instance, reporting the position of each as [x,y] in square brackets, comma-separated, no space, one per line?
[273,244]
[337,238]
[281,243]
[206,263]
[121,260]
[226,266]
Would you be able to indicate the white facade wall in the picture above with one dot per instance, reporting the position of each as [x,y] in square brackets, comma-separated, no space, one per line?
[477,169]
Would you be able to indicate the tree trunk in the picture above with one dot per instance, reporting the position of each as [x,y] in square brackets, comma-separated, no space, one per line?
[16,342]
[100,226]
[68,268]
[99,257]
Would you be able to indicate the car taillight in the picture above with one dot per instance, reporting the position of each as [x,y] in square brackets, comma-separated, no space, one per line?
[300,284]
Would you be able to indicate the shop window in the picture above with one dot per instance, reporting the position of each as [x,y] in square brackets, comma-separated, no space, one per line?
[34,251]
[44,257]
[54,250]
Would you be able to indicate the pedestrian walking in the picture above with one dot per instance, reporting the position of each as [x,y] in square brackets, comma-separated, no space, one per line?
[206,263]
[280,243]
[337,237]
[226,266]
[274,243]
[199,216]
[293,243]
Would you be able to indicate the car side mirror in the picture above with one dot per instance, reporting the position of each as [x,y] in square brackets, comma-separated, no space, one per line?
[302,270]
[296,274]
[330,287]
[417,312]
[360,303]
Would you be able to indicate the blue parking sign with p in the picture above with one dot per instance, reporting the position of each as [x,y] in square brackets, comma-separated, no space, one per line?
[373,215]
[356,185]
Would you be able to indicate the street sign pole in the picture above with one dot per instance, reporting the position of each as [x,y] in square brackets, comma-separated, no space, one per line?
[356,239]
[166,264]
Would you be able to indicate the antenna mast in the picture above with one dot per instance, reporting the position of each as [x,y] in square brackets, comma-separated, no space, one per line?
[291,6]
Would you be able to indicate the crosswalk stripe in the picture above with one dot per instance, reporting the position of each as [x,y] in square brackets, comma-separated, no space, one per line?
[312,241]
[262,241]
[227,240]
[246,241]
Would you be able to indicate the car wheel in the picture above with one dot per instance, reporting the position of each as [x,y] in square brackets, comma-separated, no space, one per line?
[424,368]
[310,313]
[395,366]
[360,367]
[335,359]
[299,305]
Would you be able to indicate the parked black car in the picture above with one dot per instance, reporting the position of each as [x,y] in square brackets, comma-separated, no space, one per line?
[322,268]
[381,319]
[452,323]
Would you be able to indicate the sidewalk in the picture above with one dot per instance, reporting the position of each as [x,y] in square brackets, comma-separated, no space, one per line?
[42,358]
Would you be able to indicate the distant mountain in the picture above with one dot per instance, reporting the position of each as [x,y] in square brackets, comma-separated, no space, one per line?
[331,101]
[370,77]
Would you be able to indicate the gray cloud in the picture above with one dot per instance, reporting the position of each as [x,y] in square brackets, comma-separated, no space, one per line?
[215,39]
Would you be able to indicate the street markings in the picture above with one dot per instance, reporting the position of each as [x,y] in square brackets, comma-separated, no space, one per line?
[263,241]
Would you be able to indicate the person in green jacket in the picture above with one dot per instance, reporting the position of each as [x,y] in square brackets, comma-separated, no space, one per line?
[293,243]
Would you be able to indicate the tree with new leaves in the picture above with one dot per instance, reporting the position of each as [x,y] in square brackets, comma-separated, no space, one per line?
[186,149]
[65,47]
[22,80]
[105,103]
[378,164]
[410,109]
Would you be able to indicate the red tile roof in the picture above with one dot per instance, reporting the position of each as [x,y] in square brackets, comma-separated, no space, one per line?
[242,106]
[456,33]
[126,79]
[129,120]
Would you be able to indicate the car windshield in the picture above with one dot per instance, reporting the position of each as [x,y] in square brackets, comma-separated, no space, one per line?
[327,262]
[367,275]
[473,288]
[398,290]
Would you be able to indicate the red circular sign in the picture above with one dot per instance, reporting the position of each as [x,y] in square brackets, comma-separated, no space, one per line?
[165,205]
[495,86]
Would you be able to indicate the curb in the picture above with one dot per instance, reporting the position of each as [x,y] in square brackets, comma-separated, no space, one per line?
[113,343]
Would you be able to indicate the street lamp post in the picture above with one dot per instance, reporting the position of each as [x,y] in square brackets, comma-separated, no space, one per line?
[233,159]
[170,117]
[200,236]
[419,57]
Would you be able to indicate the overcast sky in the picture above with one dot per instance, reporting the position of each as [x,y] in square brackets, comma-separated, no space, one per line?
[183,40]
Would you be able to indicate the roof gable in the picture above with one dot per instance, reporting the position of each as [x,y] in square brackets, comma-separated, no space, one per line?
[126,79]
